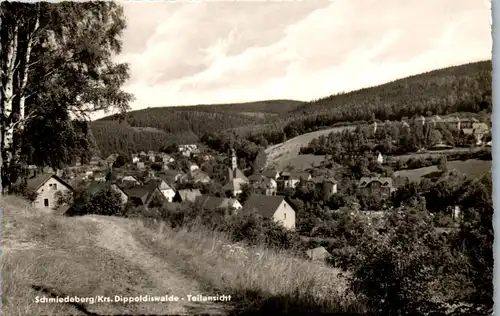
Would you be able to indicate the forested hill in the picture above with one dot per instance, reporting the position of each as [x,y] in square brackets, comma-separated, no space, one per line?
[464,88]
[435,91]
[154,128]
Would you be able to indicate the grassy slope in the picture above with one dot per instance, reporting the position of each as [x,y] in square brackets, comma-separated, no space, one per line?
[473,168]
[97,255]
[281,155]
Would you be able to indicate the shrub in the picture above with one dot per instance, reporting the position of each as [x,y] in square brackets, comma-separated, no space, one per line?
[23,191]
[402,268]
[247,226]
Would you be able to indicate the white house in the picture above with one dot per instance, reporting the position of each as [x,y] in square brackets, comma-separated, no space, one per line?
[193,167]
[292,179]
[380,158]
[165,189]
[276,207]
[130,179]
[46,186]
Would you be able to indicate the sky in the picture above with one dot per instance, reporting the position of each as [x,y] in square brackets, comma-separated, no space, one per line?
[206,52]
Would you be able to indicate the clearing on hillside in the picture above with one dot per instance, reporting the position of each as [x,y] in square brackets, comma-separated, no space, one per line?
[473,168]
[280,155]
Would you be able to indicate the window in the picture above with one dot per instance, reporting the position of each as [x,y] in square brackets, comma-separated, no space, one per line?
[54,186]
[46,202]
[284,215]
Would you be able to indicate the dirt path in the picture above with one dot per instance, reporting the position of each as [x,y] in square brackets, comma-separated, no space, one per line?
[115,238]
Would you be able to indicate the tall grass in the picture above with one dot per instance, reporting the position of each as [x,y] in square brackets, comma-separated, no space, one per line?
[45,254]
[259,279]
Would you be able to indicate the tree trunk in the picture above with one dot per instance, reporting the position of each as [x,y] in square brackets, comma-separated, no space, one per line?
[6,105]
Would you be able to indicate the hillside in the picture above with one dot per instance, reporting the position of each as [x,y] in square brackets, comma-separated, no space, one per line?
[45,254]
[183,124]
[464,88]
[281,155]
[434,91]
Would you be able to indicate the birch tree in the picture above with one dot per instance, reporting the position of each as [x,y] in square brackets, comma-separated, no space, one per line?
[56,63]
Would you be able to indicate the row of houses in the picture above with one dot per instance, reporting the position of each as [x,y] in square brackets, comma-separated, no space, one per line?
[47,185]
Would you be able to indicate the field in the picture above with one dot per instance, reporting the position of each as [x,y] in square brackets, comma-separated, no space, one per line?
[473,168]
[149,129]
[429,154]
[49,255]
[281,155]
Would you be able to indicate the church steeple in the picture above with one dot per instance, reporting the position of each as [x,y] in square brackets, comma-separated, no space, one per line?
[234,160]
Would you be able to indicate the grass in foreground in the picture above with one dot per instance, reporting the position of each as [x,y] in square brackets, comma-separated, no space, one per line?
[260,279]
[97,255]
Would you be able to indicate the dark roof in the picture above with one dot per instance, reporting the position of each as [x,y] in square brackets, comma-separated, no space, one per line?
[270,173]
[384,181]
[95,187]
[264,204]
[235,174]
[36,182]
[322,179]
[296,175]
[188,194]
[257,177]
[234,185]
[142,192]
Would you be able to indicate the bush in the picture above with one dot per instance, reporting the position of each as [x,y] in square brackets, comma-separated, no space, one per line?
[278,237]
[23,191]
[402,270]
[104,202]
[247,226]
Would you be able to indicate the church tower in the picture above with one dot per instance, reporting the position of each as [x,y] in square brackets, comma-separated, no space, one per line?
[234,160]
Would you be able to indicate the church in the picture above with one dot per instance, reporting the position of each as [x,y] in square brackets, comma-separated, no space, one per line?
[235,178]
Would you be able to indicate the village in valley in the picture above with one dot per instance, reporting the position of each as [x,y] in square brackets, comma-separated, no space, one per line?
[285,163]
[181,178]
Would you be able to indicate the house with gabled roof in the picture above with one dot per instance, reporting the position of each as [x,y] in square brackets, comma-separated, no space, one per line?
[272,174]
[212,203]
[130,179]
[235,186]
[262,183]
[143,195]
[277,208]
[171,176]
[327,185]
[186,195]
[96,186]
[167,190]
[382,185]
[200,176]
[292,179]
[46,186]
